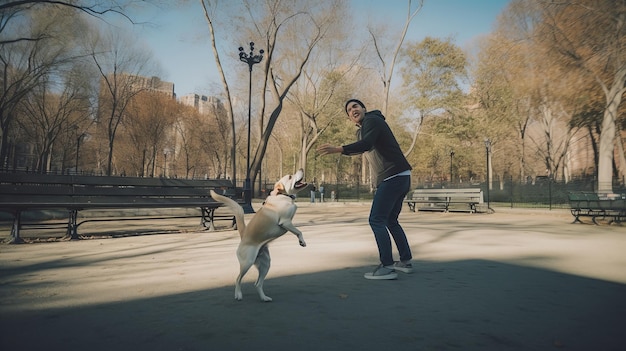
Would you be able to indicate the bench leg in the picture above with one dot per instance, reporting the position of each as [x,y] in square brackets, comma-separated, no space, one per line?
[621,217]
[576,214]
[15,229]
[208,217]
[72,227]
[615,218]
[595,215]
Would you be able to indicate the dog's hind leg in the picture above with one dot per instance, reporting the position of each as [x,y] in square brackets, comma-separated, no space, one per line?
[262,263]
[246,255]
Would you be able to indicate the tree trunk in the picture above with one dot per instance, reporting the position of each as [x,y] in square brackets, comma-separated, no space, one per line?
[607,136]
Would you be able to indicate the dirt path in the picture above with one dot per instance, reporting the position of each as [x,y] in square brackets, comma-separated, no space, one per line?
[516,279]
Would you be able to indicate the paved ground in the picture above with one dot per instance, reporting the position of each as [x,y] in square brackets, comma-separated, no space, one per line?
[513,280]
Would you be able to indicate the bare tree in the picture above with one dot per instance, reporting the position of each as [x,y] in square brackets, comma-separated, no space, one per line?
[150,120]
[388,66]
[326,82]
[221,130]
[188,147]
[211,132]
[35,39]
[301,24]
[47,117]
[590,37]
[121,65]
[318,105]
[209,14]
[555,136]
[11,11]
[521,81]
[26,65]
[504,91]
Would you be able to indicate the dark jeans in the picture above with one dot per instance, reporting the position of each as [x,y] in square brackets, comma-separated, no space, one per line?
[383,218]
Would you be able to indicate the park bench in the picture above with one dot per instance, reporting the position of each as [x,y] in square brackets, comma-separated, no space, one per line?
[21,192]
[442,199]
[591,204]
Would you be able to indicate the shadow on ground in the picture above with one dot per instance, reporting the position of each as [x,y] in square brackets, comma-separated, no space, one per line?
[458,305]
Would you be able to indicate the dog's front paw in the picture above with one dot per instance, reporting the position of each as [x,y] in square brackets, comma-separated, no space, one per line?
[302,243]
[238,295]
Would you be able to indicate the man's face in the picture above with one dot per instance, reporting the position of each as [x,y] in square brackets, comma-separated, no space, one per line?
[355,112]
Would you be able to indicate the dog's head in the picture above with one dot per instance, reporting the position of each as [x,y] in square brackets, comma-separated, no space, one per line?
[290,184]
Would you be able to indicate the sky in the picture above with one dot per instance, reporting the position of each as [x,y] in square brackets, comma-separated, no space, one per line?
[178,37]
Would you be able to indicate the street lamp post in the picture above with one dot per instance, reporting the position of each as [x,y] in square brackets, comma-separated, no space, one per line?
[78,140]
[451,155]
[488,150]
[251,59]
[166,152]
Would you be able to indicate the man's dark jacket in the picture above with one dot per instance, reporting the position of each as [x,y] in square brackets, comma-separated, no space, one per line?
[380,146]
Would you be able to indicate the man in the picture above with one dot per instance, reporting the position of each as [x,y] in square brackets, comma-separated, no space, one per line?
[391,174]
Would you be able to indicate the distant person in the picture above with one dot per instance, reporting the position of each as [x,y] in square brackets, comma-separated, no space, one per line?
[391,174]
[312,193]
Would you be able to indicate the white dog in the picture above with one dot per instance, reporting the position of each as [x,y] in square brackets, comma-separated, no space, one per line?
[269,223]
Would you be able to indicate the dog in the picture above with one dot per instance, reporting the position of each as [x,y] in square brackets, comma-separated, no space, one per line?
[270,222]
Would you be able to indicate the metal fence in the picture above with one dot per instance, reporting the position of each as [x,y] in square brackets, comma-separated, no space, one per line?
[544,193]
[541,192]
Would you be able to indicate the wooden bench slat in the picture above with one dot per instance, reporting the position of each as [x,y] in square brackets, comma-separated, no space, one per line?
[105,202]
[28,190]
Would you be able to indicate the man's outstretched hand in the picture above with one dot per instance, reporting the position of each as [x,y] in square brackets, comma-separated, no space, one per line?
[328,149]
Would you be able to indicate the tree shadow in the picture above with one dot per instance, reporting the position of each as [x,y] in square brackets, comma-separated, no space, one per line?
[454,305]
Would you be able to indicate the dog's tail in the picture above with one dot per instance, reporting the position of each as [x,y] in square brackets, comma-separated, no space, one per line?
[235,207]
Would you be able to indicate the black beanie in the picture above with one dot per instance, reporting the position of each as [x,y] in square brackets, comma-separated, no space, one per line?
[353,100]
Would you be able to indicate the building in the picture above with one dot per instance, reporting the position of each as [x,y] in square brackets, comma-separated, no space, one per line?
[203,104]
[153,84]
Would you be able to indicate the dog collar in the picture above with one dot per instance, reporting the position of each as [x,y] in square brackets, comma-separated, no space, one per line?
[293,197]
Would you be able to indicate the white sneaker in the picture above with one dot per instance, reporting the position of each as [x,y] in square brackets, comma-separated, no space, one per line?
[405,267]
[382,273]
